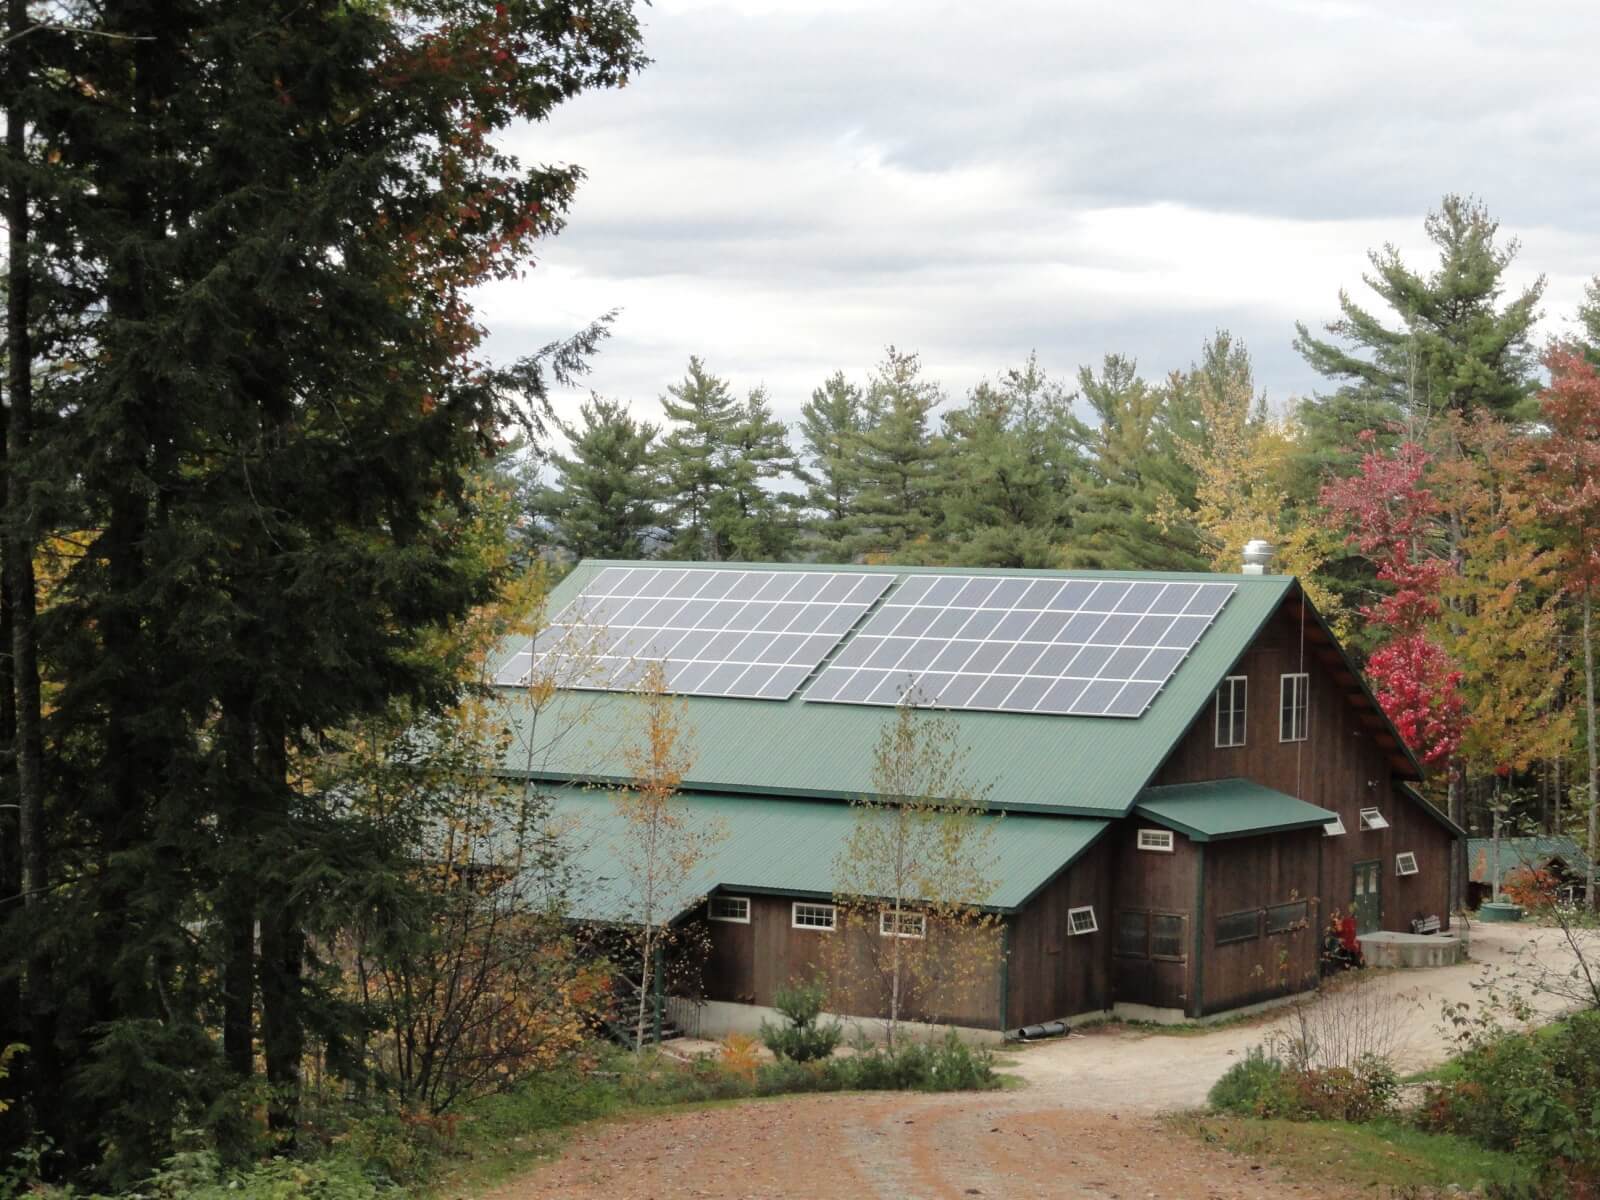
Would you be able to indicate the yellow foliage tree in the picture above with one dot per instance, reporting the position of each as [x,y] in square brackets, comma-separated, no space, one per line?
[1242,463]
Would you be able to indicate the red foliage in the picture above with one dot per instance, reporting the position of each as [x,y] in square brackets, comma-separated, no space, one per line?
[1389,513]
[1531,888]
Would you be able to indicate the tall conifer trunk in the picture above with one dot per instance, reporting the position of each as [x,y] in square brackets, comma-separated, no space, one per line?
[283,950]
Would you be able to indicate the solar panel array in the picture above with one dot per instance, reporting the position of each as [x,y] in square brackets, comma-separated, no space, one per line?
[1081,647]
[722,632]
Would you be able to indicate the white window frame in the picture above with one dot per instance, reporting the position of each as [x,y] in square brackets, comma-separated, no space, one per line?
[887,923]
[1301,710]
[1072,925]
[1243,694]
[1405,863]
[1372,818]
[832,912]
[1334,828]
[713,915]
[1161,841]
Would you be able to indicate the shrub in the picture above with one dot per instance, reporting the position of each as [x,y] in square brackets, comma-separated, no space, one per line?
[1253,1086]
[1356,1094]
[801,1039]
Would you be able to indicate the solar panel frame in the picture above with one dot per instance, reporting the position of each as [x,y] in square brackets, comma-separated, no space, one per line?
[1071,646]
[754,634]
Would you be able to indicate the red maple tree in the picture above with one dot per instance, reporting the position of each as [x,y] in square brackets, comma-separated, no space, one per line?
[1389,513]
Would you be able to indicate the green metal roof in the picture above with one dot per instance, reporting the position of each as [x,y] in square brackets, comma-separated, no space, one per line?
[761,844]
[1093,766]
[1517,853]
[1227,808]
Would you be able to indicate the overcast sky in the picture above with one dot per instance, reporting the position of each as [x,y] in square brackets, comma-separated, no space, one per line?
[794,184]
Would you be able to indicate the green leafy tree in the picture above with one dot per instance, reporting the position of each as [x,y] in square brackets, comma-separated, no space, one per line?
[1010,472]
[606,499]
[897,461]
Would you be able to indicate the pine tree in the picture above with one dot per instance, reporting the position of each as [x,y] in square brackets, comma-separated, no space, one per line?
[830,424]
[756,517]
[1132,463]
[1011,471]
[705,416]
[1453,346]
[897,459]
[606,498]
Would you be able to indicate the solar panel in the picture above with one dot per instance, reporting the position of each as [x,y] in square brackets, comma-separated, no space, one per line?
[1080,647]
[722,632]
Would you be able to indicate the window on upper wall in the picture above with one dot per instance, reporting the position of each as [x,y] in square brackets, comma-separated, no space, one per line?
[1372,818]
[1230,711]
[1294,707]
[1405,863]
[1156,839]
[729,908]
[813,916]
[1333,828]
[1081,920]
[902,924]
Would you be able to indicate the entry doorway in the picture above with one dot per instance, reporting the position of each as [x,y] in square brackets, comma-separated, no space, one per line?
[1366,896]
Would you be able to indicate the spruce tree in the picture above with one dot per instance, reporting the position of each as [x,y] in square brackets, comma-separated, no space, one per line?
[1011,472]
[606,498]
[831,423]
[275,399]
[896,515]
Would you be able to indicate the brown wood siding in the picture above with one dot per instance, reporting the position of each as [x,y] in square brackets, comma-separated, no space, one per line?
[1053,974]
[1153,881]
[748,963]
[1249,875]
[1340,767]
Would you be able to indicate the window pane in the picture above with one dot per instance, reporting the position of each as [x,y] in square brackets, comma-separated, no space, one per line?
[1166,936]
[1281,918]
[1132,928]
[1238,927]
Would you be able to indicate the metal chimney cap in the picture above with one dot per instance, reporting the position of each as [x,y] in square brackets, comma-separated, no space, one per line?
[1257,556]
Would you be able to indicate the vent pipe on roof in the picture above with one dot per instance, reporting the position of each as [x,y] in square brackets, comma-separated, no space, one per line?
[1257,556]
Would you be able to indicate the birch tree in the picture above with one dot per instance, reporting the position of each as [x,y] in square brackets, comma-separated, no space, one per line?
[913,874]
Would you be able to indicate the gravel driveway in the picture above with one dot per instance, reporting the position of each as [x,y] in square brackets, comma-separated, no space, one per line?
[1083,1126]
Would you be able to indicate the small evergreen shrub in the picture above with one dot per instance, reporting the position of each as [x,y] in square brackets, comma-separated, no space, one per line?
[800,1038]
[1254,1086]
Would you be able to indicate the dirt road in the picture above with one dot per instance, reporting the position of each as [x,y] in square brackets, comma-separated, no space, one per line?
[1083,1126]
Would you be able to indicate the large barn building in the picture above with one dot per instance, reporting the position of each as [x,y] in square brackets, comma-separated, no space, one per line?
[1192,775]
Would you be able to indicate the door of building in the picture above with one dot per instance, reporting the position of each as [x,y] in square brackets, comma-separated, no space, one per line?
[1366,899]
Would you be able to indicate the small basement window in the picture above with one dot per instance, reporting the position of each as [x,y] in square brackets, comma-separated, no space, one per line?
[729,908]
[814,916]
[1294,707]
[1405,863]
[902,924]
[1239,926]
[1081,920]
[1156,839]
[1371,818]
[1230,710]
[1286,918]
[1334,828]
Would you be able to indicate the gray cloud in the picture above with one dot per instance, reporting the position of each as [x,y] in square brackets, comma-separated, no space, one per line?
[793,185]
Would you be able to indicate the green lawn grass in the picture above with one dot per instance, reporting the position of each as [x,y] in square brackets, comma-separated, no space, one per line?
[1377,1156]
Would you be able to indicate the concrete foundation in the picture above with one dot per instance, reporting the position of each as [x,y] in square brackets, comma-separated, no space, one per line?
[1385,949]
[718,1018]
